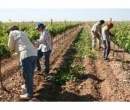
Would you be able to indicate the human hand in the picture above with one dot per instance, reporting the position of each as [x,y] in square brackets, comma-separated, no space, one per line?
[35,43]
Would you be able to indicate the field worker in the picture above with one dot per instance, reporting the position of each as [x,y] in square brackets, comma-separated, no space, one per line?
[19,42]
[44,44]
[106,34]
[96,34]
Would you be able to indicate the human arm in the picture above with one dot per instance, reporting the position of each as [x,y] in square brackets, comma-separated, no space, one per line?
[41,40]
[11,42]
[111,34]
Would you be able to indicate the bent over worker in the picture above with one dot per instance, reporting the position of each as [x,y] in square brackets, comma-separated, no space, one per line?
[19,42]
[106,34]
[96,34]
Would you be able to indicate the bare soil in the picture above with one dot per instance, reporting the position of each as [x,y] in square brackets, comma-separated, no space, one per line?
[102,80]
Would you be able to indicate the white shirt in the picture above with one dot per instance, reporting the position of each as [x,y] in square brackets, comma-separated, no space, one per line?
[19,42]
[44,42]
[105,33]
[96,27]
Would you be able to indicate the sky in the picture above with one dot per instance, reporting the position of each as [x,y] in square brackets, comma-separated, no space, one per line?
[60,10]
[63,14]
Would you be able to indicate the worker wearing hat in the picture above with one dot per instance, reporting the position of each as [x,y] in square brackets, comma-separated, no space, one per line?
[106,34]
[44,48]
[19,42]
[96,34]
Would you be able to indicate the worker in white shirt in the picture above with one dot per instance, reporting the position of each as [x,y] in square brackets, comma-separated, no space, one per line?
[106,34]
[96,34]
[45,48]
[19,42]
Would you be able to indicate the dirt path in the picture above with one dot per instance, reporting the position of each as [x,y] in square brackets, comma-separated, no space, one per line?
[101,81]
[12,79]
[106,81]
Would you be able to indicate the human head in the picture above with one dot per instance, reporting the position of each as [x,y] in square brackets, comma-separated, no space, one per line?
[12,28]
[101,22]
[109,24]
[39,26]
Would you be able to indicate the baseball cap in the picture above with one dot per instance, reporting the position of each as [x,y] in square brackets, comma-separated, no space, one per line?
[38,25]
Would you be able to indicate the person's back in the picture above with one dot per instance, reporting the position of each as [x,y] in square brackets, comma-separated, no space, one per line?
[45,41]
[96,34]
[96,27]
[105,33]
[22,45]
[19,42]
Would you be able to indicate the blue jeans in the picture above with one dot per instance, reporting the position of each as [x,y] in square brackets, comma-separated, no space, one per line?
[28,65]
[106,49]
[47,60]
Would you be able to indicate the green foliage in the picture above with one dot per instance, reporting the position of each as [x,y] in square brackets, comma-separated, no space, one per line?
[77,68]
[58,28]
[62,76]
[72,68]
[121,36]
[29,28]
[4,53]
[83,47]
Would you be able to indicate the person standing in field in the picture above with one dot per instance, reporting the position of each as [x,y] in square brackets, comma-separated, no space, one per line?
[44,44]
[96,34]
[19,42]
[106,34]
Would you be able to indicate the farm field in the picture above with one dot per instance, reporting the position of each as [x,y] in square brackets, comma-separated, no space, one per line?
[77,73]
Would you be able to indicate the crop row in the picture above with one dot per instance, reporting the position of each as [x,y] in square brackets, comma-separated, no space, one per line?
[121,36]
[72,68]
[29,27]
